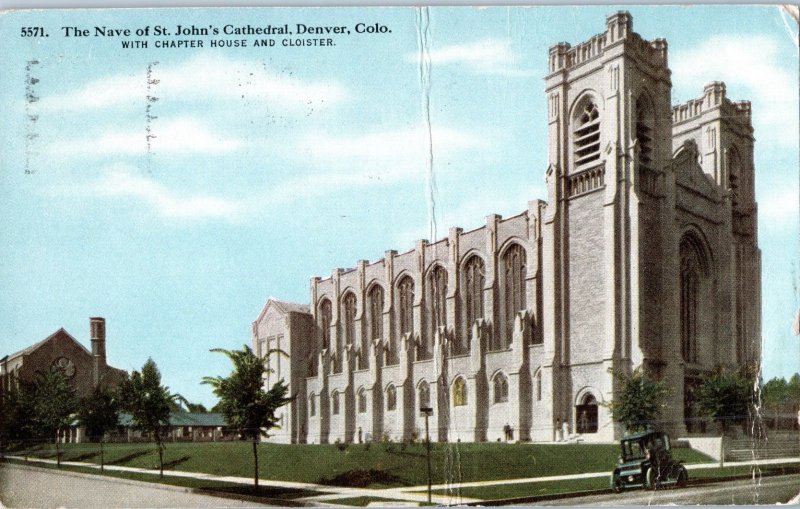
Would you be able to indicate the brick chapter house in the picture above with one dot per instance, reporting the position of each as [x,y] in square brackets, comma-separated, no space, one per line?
[645,254]
[84,369]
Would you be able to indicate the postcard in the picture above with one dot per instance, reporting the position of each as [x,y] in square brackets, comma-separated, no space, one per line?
[399,256]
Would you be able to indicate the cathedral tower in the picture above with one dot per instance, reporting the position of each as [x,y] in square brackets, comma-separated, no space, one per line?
[609,129]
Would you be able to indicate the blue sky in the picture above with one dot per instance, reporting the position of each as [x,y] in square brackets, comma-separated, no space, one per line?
[272,165]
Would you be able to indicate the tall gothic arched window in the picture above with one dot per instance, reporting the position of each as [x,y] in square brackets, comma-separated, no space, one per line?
[325,318]
[376,312]
[474,279]
[335,402]
[514,273]
[349,331]
[374,323]
[405,314]
[586,134]
[436,302]
[694,269]
[644,130]
[349,302]
[405,295]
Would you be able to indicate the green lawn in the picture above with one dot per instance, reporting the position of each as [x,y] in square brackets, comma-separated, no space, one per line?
[376,466]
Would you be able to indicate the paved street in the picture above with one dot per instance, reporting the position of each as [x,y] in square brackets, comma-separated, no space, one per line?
[21,486]
[768,490]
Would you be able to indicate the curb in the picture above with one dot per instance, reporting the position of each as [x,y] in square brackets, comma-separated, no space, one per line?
[99,477]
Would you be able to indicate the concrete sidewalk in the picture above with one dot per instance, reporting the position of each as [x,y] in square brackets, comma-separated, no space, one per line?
[588,475]
[329,492]
[416,494]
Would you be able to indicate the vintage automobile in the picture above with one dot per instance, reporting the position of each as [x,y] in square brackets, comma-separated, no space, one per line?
[646,462]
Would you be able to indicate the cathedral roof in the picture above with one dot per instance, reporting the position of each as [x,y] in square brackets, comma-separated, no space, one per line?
[284,307]
[291,307]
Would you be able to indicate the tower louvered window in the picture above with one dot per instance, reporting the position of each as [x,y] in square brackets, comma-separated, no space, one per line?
[587,135]
[644,132]
[734,170]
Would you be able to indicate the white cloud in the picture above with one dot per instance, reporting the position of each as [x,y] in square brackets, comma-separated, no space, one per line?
[753,64]
[125,184]
[338,162]
[484,56]
[180,136]
[385,156]
[202,78]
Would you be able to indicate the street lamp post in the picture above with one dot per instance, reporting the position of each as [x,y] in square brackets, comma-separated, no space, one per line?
[427,411]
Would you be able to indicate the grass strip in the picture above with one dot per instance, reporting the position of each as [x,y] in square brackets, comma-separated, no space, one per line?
[532,489]
[365,501]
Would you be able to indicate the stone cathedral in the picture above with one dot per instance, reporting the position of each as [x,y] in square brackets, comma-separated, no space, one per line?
[644,255]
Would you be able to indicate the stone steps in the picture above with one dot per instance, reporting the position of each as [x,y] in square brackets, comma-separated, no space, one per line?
[746,449]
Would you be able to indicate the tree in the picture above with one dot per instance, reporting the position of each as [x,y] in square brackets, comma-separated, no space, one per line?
[54,403]
[725,397]
[196,408]
[639,401]
[99,413]
[247,407]
[775,393]
[16,411]
[181,404]
[148,402]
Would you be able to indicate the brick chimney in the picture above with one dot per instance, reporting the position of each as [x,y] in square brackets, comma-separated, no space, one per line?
[97,330]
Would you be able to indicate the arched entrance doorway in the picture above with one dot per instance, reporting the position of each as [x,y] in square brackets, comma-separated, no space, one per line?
[586,415]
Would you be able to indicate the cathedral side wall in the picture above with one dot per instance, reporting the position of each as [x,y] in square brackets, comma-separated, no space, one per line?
[651,265]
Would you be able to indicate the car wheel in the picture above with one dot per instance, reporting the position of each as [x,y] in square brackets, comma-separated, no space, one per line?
[683,477]
[616,483]
[650,481]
